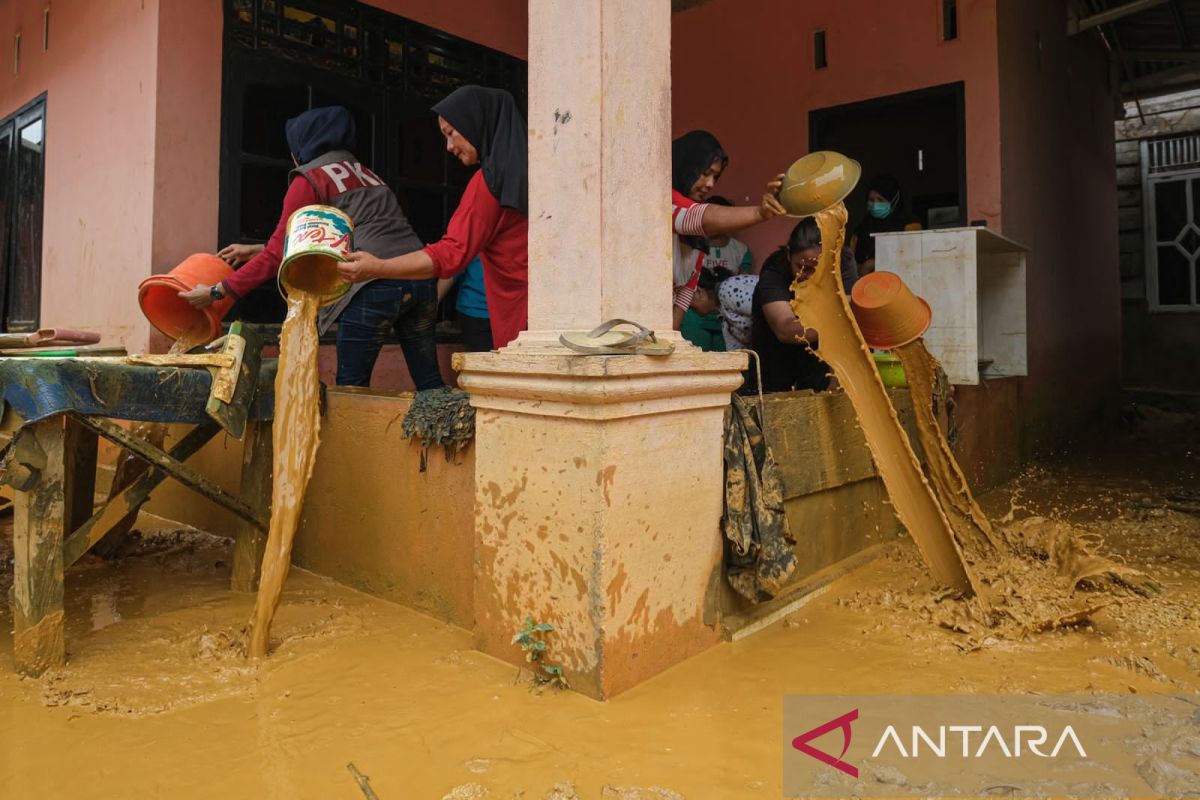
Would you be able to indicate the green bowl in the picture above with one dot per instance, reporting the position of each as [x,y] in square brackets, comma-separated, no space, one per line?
[891,370]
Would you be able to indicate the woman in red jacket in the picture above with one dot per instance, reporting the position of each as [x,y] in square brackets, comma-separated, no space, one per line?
[482,126]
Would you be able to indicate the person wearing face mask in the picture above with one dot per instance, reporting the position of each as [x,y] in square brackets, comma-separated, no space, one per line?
[482,126]
[697,163]
[885,214]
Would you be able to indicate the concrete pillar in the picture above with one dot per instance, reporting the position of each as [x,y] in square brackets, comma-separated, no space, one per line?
[599,478]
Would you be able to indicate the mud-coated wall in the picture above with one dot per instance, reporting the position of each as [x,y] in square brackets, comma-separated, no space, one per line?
[372,519]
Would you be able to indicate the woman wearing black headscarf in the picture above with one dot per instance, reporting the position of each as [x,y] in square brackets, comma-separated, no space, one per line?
[697,163]
[482,126]
[885,214]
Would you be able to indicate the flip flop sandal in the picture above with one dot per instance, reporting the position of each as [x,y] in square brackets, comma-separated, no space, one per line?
[605,341]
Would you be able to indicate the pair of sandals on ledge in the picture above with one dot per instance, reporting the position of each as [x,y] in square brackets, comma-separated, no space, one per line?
[607,341]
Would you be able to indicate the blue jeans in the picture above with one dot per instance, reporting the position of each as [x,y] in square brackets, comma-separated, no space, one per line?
[409,308]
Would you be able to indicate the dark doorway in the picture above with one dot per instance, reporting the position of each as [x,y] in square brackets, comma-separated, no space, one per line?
[22,169]
[283,58]
[919,137]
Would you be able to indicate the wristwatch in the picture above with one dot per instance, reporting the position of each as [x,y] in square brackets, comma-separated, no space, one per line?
[215,292]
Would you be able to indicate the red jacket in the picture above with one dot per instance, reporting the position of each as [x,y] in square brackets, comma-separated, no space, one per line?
[500,237]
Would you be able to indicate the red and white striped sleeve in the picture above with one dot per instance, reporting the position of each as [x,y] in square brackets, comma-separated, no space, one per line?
[687,217]
[685,293]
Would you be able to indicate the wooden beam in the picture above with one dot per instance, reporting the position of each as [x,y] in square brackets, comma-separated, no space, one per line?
[1079,24]
[1163,55]
[257,466]
[36,598]
[173,467]
[125,504]
[79,474]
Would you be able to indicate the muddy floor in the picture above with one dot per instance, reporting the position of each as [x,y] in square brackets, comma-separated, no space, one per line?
[157,702]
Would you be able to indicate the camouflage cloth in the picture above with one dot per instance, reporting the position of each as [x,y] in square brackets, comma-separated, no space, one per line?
[440,416]
[758,545]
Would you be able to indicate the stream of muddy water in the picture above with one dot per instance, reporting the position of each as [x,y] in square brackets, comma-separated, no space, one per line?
[296,429]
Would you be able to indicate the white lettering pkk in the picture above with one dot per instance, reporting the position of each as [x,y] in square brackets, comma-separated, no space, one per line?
[338,174]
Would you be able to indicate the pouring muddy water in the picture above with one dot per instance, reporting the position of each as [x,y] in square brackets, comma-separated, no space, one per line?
[934,502]
[318,237]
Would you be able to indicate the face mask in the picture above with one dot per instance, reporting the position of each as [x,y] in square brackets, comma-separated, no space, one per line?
[879,209]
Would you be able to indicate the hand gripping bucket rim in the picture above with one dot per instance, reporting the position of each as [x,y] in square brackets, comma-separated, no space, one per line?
[158,298]
[331,240]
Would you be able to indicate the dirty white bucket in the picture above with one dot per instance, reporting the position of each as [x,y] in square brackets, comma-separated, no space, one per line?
[318,237]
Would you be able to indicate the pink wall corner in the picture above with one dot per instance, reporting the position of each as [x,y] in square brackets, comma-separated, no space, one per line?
[745,72]
[1059,196]
[187,132]
[99,76]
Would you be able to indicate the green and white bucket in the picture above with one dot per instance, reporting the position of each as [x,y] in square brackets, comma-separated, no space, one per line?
[318,237]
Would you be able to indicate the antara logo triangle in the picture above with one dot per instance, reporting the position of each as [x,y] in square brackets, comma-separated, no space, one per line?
[801,743]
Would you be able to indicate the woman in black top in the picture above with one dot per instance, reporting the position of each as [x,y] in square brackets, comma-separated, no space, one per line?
[885,214]
[784,345]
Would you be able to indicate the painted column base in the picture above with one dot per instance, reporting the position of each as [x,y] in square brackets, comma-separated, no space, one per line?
[598,497]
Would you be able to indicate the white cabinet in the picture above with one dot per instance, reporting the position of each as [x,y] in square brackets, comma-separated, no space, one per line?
[974,281]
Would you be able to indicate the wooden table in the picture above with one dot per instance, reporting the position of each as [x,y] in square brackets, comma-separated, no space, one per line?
[51,467]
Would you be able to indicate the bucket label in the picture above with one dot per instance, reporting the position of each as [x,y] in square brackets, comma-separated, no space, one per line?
[318,229]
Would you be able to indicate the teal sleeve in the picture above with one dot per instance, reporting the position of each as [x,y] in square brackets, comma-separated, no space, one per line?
[747,261]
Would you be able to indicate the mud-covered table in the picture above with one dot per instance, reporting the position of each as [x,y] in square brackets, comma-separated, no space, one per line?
[55,411]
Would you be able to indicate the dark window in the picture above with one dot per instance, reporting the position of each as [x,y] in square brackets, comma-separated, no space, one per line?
[819,60]
[282,58]
[22,167]
[949,20]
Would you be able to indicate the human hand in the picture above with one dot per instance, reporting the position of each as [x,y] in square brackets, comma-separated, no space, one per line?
[234,254]
[359,267]
[198,297]
[770,207]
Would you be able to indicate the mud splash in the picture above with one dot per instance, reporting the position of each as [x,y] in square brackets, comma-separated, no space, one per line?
[296,431]
[821,302]
[1025,581]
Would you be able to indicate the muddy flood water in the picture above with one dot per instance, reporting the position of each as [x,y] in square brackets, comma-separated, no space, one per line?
[157,701]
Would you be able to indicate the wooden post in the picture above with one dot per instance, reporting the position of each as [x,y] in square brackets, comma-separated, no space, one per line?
[37,592]
[79,475]
[255,490]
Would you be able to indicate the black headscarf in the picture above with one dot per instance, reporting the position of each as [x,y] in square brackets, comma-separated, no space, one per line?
[887,186]
[490,120]
[320,130]
[691,156]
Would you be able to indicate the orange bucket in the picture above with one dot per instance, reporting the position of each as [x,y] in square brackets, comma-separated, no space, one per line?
[159,298]
[888,313]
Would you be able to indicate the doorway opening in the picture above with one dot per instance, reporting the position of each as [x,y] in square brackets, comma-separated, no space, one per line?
[919,137]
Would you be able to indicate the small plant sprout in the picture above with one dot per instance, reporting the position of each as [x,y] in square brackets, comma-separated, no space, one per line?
[531,638]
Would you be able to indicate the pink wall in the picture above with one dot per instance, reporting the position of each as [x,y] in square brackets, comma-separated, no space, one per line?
[1059,196]
[99,72]
[745,72]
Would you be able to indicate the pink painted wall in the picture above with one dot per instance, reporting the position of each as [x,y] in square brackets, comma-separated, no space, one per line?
[99,72]
[745,72]
[1059,196]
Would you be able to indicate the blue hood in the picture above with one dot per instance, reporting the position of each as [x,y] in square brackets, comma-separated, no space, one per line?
[320,130]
